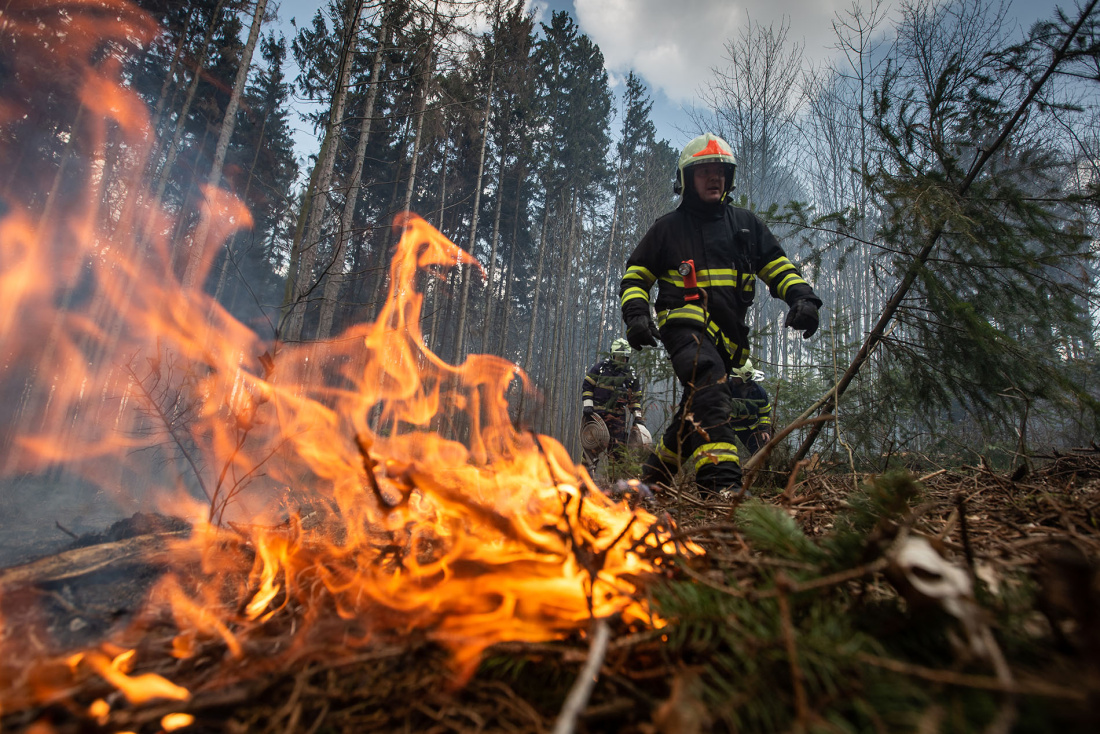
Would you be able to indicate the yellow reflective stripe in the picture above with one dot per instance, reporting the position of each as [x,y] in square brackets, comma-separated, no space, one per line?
[792,279]
[730,346]
[632,294]
[684,313]
[590,378]
[637,272]
[718,277]
[712,278]
[663,453]
[714,453]
[772,269]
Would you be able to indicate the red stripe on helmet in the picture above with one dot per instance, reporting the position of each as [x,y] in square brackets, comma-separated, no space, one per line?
[712,149]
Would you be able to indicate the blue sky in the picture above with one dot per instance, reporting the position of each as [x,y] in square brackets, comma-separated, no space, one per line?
[674,44]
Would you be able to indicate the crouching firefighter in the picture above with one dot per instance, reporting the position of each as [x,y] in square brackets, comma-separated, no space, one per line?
[705,257]
[609,392]
[751,416]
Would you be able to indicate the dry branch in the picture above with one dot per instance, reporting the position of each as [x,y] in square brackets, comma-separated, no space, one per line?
[151,549]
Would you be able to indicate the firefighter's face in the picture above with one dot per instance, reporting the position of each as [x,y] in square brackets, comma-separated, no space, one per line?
[710,181]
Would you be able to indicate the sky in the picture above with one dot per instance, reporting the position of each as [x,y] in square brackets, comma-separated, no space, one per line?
[673,45]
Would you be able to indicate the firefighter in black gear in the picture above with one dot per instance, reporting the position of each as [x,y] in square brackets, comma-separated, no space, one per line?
[705,257]
[751,408]
[611,390]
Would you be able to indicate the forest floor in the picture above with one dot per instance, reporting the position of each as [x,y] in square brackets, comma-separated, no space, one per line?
[1030,541]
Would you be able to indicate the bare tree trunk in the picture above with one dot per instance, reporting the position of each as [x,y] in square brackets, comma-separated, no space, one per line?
[224,274]
[436,285]
[510,277]
[421,106]
[494,241]
[460,330]
[299,279]
[181,121]
[538,288]
[229,123]
[162,98]
[336,274]
[610,250]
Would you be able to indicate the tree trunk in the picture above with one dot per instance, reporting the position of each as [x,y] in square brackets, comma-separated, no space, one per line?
[421,106]
[535,296]
[229,123]
[181,121]
[303,251]
[510,276]
[336,274]
[162,99]
[494,240]
[610,250]
[460,330]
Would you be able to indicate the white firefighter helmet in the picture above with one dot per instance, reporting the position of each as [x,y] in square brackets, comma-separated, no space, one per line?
[640,437]
[746,371]
[707,148]
[595,438]
[620,350]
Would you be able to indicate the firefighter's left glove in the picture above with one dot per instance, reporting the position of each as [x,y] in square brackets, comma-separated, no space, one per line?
[642,332]
[589,411]
[802,316]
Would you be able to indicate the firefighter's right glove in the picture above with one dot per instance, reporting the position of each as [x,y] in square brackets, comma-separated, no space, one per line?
[802,316]
[642,332]
[589,411]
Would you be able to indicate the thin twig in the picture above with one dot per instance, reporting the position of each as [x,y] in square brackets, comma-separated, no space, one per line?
[586,681]
[65,530]
[752,466]
[983,682]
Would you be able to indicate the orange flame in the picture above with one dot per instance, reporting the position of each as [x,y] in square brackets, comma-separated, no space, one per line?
[319,483]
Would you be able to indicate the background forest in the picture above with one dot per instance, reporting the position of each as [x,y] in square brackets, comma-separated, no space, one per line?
[938,185]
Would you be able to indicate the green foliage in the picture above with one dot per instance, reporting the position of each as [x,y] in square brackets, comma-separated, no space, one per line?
[739,638]
[994,310]
[772,530]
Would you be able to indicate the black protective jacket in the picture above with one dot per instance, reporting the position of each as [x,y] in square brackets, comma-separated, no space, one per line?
[730,247]
[611,387]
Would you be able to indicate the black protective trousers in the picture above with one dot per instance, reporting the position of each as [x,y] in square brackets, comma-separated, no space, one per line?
[700,432]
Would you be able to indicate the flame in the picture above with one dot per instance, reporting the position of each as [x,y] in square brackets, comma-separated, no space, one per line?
[362,484]
[138,689]
[171,722]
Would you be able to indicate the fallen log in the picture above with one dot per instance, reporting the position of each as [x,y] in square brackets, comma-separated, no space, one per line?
[152,549]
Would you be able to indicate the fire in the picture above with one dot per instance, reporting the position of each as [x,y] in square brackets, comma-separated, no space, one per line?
[328,508]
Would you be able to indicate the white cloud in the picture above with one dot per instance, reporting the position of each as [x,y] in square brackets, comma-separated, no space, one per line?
[675,45]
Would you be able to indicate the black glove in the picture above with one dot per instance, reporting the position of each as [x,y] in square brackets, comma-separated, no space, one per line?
[642,332]
[588,411]
[802,316]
